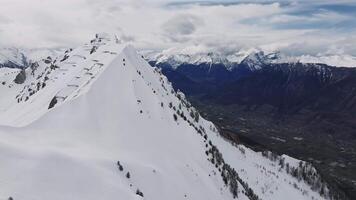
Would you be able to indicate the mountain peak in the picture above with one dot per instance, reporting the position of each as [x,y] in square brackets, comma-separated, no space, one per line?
[52,81]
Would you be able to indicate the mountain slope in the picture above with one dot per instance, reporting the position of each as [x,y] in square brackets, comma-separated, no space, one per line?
[122,133]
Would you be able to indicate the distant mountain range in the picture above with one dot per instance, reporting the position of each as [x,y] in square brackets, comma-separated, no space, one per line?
[18,57]
[252,57]
[259,77]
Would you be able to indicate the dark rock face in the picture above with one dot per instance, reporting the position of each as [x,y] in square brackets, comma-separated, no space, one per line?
[21,77]
[53,102]
[305,110]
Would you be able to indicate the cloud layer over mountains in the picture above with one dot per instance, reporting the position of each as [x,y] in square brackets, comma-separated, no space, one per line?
[295,27]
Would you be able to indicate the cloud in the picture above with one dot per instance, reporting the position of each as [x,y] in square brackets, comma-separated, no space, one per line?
[182,24]
[4,20]
[179,27]
[302,27]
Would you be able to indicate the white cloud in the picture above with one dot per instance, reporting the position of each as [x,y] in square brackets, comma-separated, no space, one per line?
[153,25]
[182,25]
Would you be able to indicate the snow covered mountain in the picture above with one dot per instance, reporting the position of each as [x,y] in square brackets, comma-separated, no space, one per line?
[253,58]
[98,122]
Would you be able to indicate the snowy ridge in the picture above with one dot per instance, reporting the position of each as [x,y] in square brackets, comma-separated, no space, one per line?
[106,125]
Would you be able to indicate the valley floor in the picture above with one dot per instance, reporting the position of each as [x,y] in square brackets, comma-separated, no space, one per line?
[261,130]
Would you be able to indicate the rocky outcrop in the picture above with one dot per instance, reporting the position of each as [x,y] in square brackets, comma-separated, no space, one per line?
[21,77]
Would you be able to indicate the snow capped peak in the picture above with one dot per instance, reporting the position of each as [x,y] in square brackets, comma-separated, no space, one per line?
[53,81]
[257,59]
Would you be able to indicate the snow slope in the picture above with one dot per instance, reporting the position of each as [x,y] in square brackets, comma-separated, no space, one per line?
[112,106]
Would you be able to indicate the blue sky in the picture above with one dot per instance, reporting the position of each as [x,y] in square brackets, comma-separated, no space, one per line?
[295,27]
[297,9]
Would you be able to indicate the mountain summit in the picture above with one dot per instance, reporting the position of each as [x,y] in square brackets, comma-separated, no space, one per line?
[99,123]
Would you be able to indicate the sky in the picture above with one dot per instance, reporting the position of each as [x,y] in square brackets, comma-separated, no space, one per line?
[294,27]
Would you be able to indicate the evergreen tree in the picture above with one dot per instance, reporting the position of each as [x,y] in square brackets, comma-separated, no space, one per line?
[196,117]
